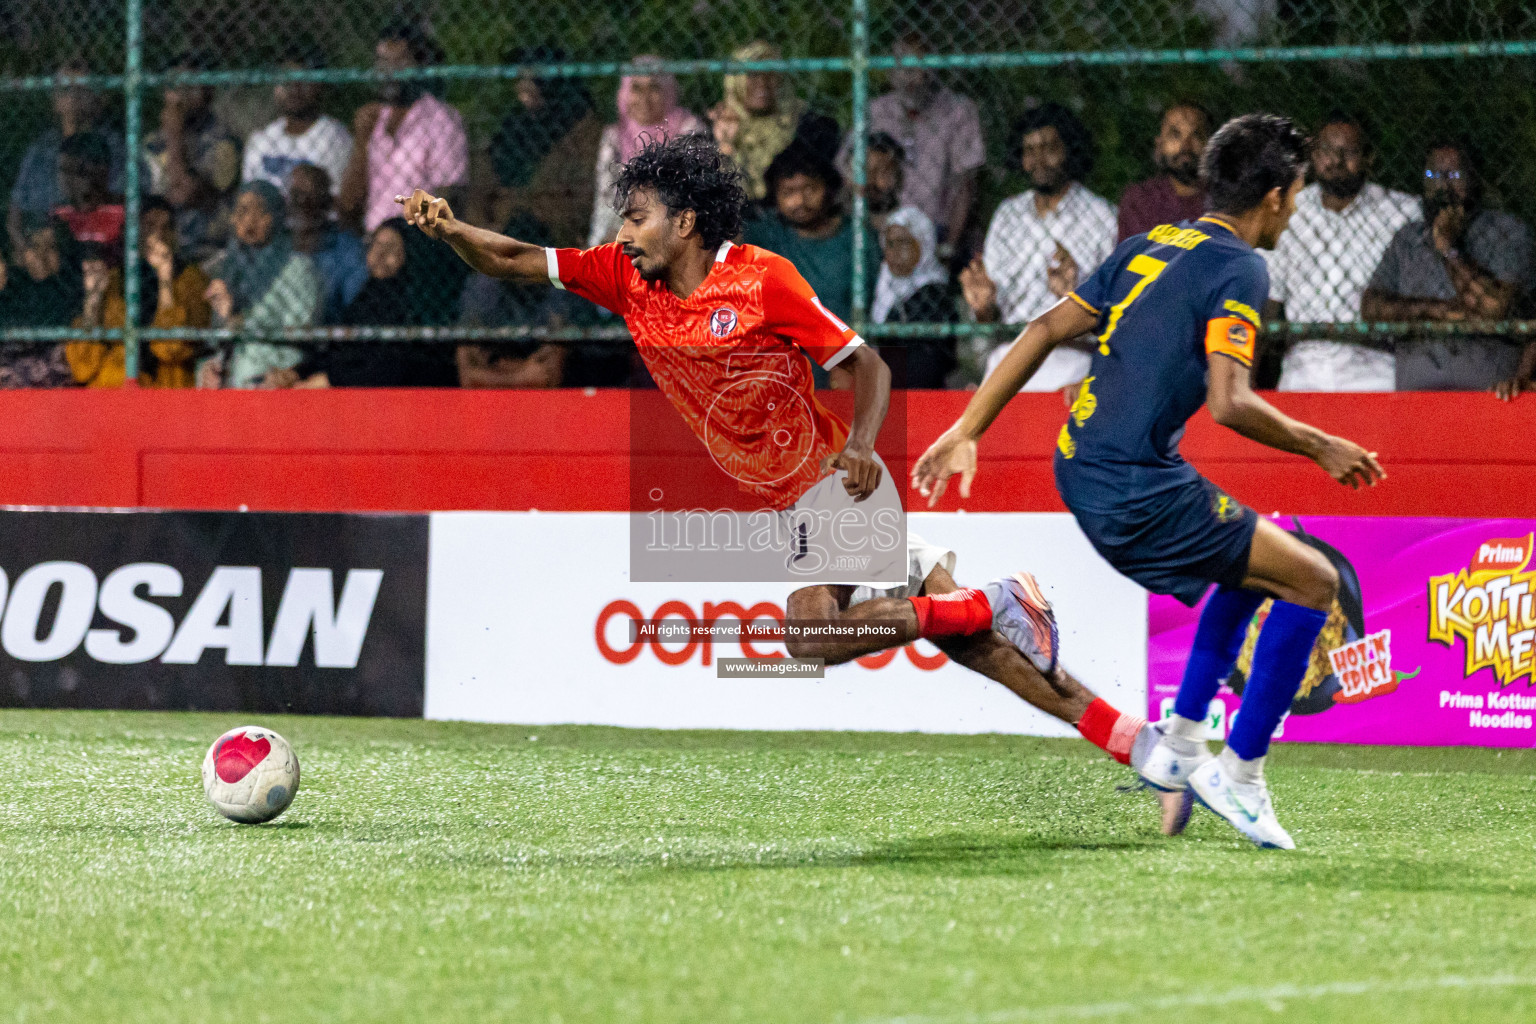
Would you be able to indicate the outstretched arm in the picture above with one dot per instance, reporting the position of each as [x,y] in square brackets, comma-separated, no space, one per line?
[955,450]
[1234,405]
[492,254]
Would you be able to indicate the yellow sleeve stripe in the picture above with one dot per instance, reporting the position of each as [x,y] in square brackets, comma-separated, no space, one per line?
[1079,300]
[1243,310]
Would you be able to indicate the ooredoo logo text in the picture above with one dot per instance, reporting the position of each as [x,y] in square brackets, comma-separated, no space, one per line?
[620,643]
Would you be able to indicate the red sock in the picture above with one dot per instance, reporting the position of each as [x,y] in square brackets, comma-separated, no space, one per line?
[958,613]
[1110,730]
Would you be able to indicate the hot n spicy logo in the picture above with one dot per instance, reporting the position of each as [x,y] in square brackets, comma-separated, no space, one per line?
[1491,606]
[1364,668]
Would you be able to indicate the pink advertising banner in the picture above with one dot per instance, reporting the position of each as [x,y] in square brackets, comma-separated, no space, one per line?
[1432,641]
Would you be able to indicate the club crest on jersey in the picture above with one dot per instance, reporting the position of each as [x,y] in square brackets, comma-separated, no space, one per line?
[722,321]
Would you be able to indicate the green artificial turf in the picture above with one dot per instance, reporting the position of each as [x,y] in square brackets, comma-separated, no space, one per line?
[444,872]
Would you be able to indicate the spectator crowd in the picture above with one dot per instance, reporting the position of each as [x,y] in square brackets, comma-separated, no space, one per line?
[293,225]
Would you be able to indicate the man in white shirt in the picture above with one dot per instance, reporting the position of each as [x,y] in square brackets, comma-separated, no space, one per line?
[302,135]
[1323,262]
[1043,241]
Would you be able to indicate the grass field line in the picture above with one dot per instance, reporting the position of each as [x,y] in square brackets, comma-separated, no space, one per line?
[1274,997]
[1392,775]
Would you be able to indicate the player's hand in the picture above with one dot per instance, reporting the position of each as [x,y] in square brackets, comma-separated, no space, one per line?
[952,453]
[428,212]
[862,469]
[1348,463]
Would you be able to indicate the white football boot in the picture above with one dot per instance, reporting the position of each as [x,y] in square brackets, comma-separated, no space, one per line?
[1246,806]
[1160,765]
[1023,616]
[1170,774]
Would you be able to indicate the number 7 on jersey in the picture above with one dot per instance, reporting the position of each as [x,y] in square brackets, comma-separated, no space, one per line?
[1147,269]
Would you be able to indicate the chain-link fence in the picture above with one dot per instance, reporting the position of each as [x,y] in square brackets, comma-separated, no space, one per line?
[201,192]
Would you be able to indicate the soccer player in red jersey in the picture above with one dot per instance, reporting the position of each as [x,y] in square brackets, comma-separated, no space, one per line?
[700,307]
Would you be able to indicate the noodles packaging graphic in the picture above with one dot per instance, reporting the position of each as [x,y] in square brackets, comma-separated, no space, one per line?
[1432,639]
[1347,667]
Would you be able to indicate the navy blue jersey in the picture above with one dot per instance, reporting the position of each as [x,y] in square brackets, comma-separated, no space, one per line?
[1166,301]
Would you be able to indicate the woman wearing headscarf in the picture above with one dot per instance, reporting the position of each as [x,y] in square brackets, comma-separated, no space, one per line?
[170,295]
[761,115]
[543,155]
[647,107]
[913,287]
[260,283]
[406,288]
[43,287]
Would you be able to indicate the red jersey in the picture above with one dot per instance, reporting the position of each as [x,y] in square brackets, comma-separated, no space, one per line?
[731,357]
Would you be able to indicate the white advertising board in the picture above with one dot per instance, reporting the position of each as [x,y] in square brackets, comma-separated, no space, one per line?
[528,621]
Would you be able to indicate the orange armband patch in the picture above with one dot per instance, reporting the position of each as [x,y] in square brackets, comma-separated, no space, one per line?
[1232,337]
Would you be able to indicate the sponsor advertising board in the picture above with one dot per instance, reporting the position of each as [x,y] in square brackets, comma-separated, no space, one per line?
[1432,640]
[530,620]
[213,611]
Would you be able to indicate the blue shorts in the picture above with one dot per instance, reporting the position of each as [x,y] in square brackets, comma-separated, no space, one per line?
[1177,542]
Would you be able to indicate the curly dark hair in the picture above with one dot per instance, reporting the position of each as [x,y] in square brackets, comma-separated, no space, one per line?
[1075,136]
[688,172]
[1248,157]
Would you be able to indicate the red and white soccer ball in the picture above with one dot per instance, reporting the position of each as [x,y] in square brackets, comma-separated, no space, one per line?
[250,774]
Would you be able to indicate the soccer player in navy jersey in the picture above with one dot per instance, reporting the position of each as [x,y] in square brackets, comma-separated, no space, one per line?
[1175,314]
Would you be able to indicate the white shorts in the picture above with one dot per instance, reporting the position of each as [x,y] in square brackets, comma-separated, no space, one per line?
[921,558]
[837,540]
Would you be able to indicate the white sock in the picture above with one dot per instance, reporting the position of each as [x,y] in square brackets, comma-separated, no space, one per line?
[1183,734]
[1248,773]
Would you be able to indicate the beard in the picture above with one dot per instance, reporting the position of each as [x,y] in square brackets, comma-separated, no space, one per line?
[1342,186]
[655,272]
[1052,184]
[1182,168]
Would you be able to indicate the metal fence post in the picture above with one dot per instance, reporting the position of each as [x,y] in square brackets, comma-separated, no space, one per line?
[860,68]
[133,129]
